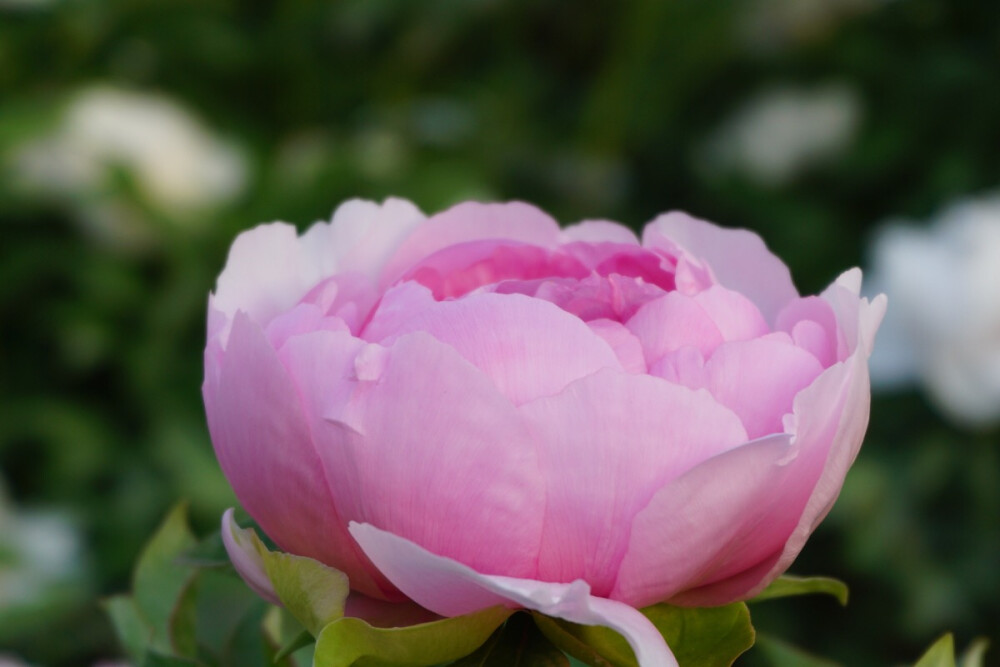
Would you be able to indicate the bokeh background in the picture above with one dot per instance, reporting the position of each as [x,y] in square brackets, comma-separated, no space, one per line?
[137,137]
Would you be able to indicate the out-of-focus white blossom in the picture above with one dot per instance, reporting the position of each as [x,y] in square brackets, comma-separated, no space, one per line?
[42,557]
[943,327]
[784,130]
[176,163]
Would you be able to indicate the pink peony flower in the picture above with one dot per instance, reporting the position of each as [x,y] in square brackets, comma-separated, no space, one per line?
[480,408]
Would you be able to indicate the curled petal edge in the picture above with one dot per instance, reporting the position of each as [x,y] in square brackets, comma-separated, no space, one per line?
[450,588]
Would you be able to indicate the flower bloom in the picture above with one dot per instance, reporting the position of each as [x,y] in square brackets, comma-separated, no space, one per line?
[944,330]
[479,408]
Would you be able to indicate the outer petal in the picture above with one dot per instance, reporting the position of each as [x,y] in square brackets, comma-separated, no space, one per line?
[529,347]
[417,440]
[266,451]
[472,221]
[270,268]
[450,588]
[738,258]
[693,522]
[246,560]
[606,444]
[599,231]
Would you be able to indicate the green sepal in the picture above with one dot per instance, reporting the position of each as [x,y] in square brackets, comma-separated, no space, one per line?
[132,630]
[351,641]
[314,593]
[698,637]
[790,585]
[517,643]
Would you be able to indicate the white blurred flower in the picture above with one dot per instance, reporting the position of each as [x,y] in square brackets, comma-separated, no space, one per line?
[784,130]
[42,557]
[943,326]
[177,164]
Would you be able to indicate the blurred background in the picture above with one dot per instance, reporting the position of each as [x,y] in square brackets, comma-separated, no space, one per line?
[137,137]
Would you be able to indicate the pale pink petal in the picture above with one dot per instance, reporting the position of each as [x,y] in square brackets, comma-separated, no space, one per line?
[264,446]
[671,322]
[624,344]
[602,466]
[303,318]
[818,311]
[244,557]
[472,221]
[599,231]
[736,316]
[529,347]
[692,523]
[739,258]
[361,236]
[415,439]
[450,588]
[758,379]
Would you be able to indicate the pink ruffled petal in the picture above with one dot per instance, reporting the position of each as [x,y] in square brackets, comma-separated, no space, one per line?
[415,439]
[266,451]
[735,316]
[739,258]
[601,469]
[823,339]
[625,345]
[472,221]
[671,322]
[529,347]
[451,588]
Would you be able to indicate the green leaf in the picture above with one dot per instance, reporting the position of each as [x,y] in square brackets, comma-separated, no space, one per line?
[132,630]
[313,592]
[517,643]
[154,659]
[941,654]
[208,552]
[698,637]
[184,621]
[351,641]
[782,654]
[789,585]
[159,579]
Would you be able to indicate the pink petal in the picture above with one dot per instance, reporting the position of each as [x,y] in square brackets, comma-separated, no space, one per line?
[269,268]
[472,221]
[383,614]
[456,270]
[671,322]
[691,524]
[736,316]
[758,379]
[738,258]
[599,231]
[266,451]
[625,346]
[822,343]
[603,466]
[451,588]
[417,440]
[248,563]
[529,347]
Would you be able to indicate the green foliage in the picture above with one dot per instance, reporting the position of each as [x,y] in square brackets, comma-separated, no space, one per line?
[789,585]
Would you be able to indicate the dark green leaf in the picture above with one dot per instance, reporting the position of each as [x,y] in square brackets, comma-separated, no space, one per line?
[159,579]
[154,659]
[517,643]
[133,632]
[303,639]
[184,621]
[208,552]
[781,654]
[789,585]
[351,641]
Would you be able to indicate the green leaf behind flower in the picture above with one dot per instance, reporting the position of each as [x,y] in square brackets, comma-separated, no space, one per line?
[698,637]
[351,641]
[517,643]
[940,654]
[789,585]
